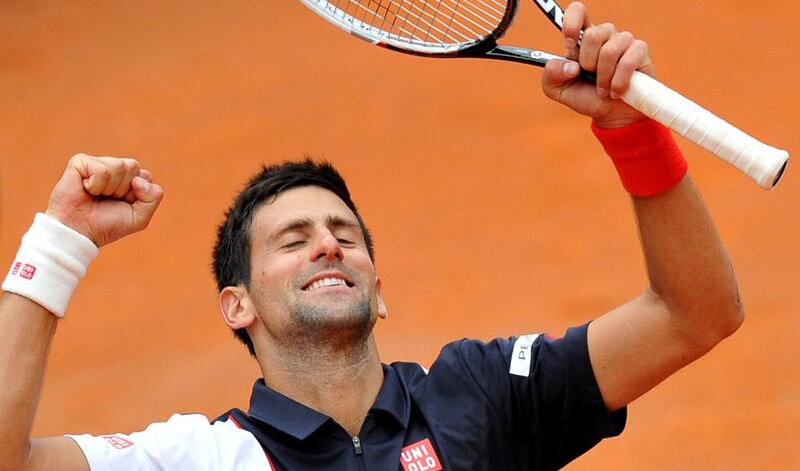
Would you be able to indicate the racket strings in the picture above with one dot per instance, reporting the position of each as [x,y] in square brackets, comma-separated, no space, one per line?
[426,22]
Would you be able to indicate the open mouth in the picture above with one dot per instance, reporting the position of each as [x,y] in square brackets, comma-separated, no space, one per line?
[326,282]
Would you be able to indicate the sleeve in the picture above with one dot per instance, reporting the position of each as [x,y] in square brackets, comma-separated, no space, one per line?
[542,392]
[183,443]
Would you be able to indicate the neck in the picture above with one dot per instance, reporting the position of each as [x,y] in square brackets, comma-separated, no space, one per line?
[341,383]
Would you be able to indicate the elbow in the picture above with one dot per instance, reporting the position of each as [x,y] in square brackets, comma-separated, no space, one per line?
[705,321]
[730,313]
[734,318]
[721,321]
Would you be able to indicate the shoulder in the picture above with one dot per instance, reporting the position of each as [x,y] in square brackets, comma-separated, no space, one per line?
[510,355]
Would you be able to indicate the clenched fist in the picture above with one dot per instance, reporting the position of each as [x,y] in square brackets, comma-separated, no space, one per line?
[104,198]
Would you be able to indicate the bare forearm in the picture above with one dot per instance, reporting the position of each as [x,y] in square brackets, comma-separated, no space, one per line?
[26,332]
[688,267]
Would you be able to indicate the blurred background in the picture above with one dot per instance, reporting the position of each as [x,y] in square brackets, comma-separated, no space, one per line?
[495,212]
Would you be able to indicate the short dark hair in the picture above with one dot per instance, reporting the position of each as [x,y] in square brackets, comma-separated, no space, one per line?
[232,249]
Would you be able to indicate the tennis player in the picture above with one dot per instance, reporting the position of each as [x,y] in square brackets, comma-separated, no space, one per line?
[297,282]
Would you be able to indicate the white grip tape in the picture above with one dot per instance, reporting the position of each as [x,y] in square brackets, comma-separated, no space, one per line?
[51,260]
[761,162]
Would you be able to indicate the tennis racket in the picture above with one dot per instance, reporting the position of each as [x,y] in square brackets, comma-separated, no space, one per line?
[470,28]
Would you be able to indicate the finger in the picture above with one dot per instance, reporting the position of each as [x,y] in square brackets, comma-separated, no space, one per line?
[576,18]
[130,169]
[148,197]
[593,39]
[113,176]
[82,164]
[118,170]
[610,54]
[96,175]
[636,57]
[146,174]
[130,197]
[558,74]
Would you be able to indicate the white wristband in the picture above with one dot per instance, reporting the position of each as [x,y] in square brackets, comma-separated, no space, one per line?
[51,260]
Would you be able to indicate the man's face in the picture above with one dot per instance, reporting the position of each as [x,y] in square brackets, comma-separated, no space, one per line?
[310,269]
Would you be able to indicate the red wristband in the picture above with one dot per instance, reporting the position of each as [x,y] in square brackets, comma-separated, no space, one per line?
[646,156]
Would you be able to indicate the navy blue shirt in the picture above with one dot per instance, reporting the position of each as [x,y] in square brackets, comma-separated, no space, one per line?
[475,410]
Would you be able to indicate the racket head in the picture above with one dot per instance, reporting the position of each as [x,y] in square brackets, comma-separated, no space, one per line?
[421,27]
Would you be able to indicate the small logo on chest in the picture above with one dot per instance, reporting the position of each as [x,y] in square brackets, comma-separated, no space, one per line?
[420,456]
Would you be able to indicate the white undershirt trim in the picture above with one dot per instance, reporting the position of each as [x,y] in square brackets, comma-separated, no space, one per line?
[182,443]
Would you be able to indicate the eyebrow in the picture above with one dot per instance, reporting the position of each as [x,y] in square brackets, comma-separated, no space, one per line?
[331,221]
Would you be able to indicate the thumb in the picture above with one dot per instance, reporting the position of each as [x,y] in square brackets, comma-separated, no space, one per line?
[558,74]
[148,196]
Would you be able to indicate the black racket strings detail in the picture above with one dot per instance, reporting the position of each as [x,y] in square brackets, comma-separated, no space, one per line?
[430,22]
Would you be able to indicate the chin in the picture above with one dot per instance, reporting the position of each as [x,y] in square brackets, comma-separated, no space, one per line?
[332,318]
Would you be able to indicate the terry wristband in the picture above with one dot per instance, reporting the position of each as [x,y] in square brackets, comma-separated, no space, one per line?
[51,260]
[646,156]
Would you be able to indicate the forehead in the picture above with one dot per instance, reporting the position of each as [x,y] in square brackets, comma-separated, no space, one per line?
[305,202]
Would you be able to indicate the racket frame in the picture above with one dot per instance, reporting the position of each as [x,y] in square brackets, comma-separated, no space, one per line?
[378,37]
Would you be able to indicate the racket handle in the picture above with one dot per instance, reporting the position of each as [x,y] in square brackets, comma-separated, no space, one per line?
[763,163]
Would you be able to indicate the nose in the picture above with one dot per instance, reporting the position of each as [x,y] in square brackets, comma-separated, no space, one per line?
[327,248]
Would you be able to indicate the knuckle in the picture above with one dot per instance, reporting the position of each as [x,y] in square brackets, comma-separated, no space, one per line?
[625,68]
[592,34]
[117,165]
[626,36]
[639,44]
[78,158]
[610,51]
[619,87]
[131,164]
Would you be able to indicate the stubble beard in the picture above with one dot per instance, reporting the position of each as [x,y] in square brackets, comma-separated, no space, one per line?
[337,325]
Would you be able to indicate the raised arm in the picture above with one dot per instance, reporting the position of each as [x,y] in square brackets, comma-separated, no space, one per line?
[97,200]
[692,302]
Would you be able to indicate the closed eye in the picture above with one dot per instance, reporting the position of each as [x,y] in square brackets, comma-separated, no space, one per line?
[294,244]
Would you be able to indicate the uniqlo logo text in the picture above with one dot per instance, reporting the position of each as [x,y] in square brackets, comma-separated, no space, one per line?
[117,442]
[15,268]
[420,456]
[27,271]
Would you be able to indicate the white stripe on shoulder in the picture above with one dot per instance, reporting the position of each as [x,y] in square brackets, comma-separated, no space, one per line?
[251,446]
[521,356]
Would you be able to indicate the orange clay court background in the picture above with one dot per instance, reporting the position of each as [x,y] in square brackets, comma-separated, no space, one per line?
[494,210]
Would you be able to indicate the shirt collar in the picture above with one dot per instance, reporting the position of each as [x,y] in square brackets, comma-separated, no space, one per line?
[283,413]
[393,398]
[299,421]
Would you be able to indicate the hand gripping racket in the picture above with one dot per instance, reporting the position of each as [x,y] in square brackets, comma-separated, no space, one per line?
[470,28]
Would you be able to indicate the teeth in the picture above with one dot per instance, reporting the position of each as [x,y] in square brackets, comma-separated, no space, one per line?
[326,282]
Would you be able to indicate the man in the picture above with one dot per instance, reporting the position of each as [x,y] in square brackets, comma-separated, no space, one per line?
[297,283]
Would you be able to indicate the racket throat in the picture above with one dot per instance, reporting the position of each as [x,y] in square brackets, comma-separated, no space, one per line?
[522,55]
[516,54]
[491,50]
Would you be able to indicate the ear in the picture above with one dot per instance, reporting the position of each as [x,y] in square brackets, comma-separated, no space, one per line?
[383,313]
[236,308]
